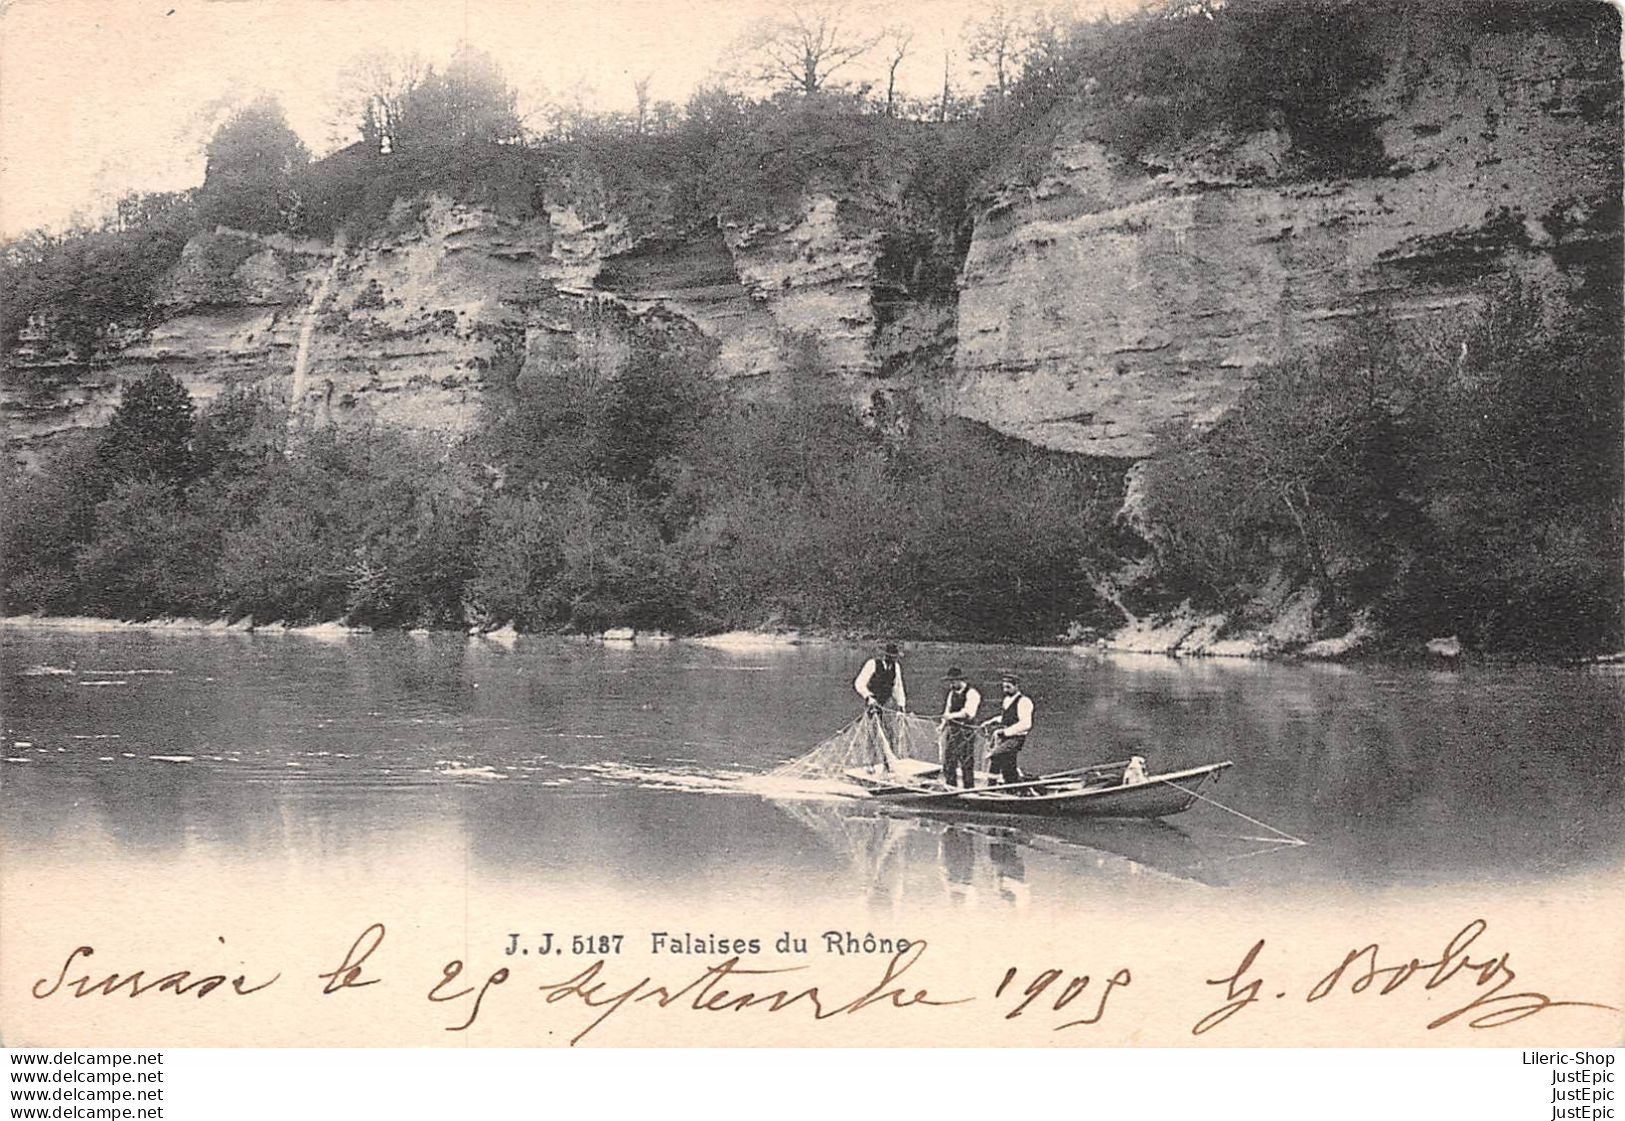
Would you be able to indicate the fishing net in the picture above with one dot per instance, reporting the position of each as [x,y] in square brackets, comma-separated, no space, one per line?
[878,742]
[872,844]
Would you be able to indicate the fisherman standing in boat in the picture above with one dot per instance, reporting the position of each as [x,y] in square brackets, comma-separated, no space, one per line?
[1010,729]
[881,680]
[959,730]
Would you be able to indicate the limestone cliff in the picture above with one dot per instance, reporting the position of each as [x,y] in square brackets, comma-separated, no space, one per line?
[402,326]
[1097,303]
[231,314]
[1107,300]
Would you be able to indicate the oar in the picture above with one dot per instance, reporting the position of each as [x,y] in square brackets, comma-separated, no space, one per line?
[1054,776]
[1081,771]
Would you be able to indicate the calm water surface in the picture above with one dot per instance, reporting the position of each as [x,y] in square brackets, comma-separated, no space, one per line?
[640,768]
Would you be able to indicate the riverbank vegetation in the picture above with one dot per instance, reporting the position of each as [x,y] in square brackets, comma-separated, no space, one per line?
[1435,482]
[1443,481]
[648,496]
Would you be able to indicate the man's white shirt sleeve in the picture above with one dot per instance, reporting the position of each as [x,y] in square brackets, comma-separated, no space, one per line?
[1024,717]
[973,701]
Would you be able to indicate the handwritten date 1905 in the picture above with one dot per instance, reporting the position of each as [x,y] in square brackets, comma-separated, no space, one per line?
[1069,992]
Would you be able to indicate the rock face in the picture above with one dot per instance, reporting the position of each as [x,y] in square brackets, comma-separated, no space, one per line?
[1095,307]
[233,310]
[1106,302]
[403,328]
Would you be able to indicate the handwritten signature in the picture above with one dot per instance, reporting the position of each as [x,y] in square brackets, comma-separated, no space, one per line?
[1491,1006]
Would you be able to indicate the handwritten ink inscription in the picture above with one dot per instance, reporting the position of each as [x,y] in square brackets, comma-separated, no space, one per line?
[1477,986]
[1072,990]
[180,982]
[1455,974]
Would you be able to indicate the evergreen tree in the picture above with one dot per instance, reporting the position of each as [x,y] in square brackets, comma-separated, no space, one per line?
[150,434]
[248,182]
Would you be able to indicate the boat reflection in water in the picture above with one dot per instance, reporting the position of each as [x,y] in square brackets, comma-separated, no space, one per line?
[976,858]
[872,792]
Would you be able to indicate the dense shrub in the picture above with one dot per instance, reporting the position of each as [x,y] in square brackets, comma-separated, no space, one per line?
[806,515]
[365,524]
[1461,482]
[88,278]
[152,553]
[45,518]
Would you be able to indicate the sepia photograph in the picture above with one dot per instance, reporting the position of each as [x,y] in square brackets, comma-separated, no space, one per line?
[812,523]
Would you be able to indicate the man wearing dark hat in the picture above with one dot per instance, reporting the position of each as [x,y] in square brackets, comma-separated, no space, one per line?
[958,725]
[881,680]
[1010,728]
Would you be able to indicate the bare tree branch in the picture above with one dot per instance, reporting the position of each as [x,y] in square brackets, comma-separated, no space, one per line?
[898,40]
[997,39]
[375,88]
[804,47]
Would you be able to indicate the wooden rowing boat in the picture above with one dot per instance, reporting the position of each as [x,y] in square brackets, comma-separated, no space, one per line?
[1097,791]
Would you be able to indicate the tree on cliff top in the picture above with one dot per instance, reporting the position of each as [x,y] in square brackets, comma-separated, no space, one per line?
[803,46]
[996,39]
[82,282]
[248,182]
[376,88]
[468,103]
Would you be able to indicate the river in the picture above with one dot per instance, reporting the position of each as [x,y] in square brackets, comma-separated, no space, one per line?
[638,769]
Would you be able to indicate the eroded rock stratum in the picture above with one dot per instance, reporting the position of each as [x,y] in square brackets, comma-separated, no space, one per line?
[1098,304]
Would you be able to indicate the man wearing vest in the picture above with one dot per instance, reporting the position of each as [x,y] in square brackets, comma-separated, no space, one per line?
[881,680]
[959,730]
[1010,729]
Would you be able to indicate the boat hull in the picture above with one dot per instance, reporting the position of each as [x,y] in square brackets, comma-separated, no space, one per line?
[1060,796]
